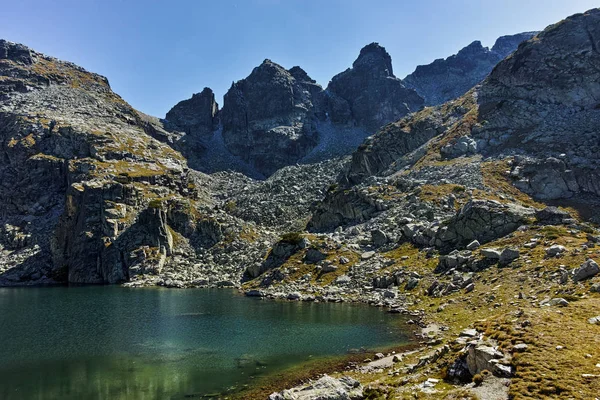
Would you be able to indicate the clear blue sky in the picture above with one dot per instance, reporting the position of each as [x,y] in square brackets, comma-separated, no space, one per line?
[158,53]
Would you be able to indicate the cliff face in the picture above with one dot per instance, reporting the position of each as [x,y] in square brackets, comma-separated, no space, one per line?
[79,176]
[268,117]
[447,79]
[277,117]
[369,94]
[196,115]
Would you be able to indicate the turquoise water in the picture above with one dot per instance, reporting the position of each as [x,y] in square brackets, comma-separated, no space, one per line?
[108,342]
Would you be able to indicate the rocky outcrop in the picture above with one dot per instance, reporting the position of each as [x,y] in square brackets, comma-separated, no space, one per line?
[280,252]
[447,79]
[369,94]
[325,388]
[342,207]
[481,220]
[196,115]
[82,178]
[391,148]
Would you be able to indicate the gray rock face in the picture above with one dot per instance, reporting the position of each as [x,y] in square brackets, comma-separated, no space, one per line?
[90,195]
[447,79]
[267,118]
[369,94]
[196,115]
[16,52]
[540,104]
[277,117]
[480,357]
[379,154]
[484,221]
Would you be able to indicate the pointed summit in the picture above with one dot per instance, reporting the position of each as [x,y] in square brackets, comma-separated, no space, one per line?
[375,58]
[368,95]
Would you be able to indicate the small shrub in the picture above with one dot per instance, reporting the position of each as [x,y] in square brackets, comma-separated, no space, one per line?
[291,237]
[155,203]
[480,377]
[230,206]
[374,394]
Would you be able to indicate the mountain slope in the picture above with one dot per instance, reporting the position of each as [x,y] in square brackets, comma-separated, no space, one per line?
[478,219]
[89,194]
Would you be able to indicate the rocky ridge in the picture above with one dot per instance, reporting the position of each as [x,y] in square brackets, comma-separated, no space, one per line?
[447,79]
[277,117]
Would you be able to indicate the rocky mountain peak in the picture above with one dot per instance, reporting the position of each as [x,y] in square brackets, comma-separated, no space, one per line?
[300,75]
[368,94]
[505,45]
[15,52]
[270,109]
[195,115]
[447,79]
[474,48]
[374,58]
[540,105]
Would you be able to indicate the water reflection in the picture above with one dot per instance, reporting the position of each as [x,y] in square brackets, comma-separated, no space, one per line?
[116,343]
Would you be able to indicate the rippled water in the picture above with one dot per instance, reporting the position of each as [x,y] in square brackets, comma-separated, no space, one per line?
[108,342]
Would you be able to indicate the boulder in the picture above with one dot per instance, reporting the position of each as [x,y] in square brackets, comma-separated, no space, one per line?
[479,357]
[313,256]
[555,250]
[473,245]
[491,254]
[482,220]
[508,255]
[587,270]
[552,216]
[378,237]
[326,388]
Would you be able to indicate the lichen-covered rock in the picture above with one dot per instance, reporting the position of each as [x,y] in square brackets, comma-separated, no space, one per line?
[587,270]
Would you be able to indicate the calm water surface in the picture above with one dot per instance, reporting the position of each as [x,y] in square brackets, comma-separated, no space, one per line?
[119,343]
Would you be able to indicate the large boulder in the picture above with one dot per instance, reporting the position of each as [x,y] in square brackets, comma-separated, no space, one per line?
[482,220]
[481,356]
[587,270]
[326,388]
